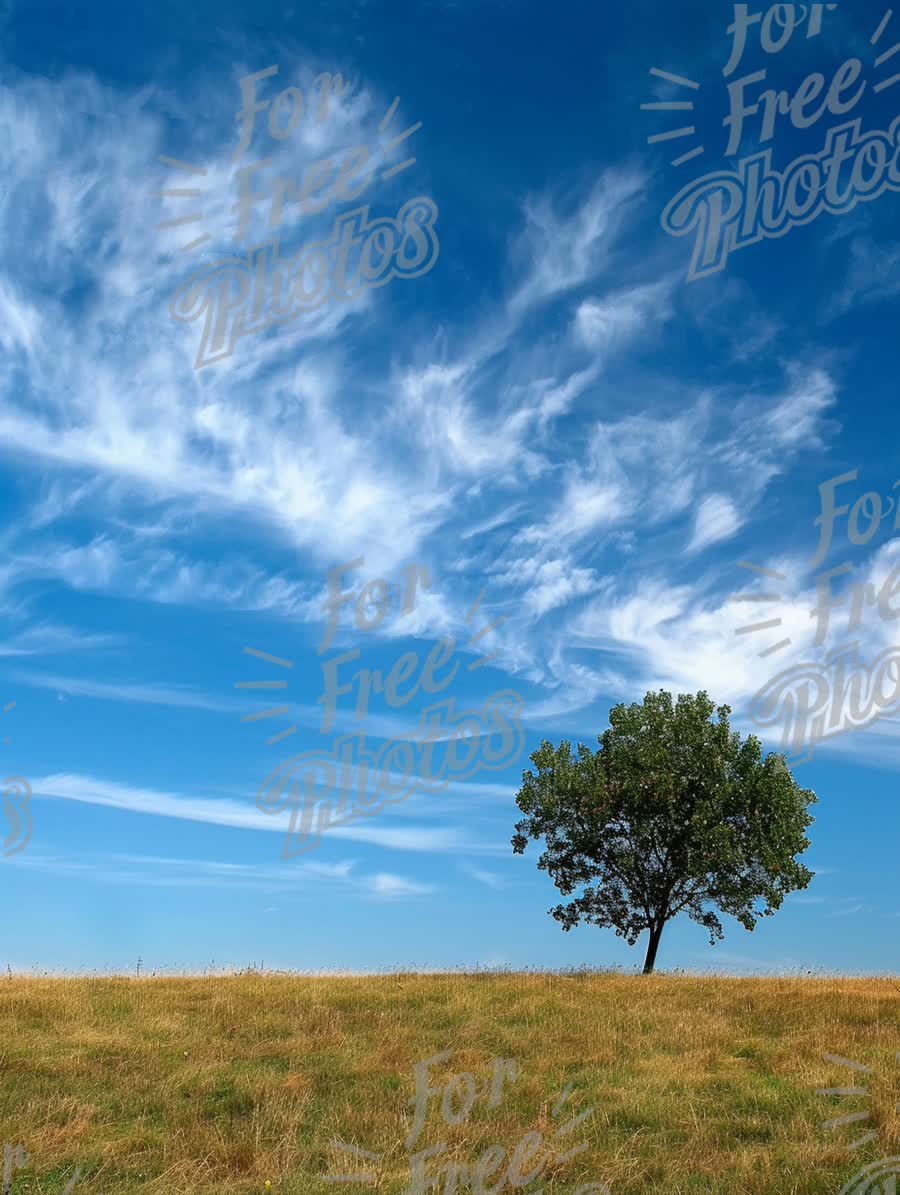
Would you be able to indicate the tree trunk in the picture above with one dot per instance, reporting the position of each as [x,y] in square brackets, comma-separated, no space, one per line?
[652,947]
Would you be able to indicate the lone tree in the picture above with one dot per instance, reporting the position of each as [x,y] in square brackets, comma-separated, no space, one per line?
[673,813]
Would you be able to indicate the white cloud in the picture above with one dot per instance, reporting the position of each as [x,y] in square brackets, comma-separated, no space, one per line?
[606,324]
[563,251]
[489,878]
[872,276]
[168,872]
[716,519]
[148,694]
[237,814]
[314,454]
[548,584]
[391,887]
[42,638]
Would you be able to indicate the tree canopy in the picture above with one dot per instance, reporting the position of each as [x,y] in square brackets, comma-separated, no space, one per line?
[673,813]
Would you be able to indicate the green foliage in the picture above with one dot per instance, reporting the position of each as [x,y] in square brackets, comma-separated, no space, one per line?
[673,813]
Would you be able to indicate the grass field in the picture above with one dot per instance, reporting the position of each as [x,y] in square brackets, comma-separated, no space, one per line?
[226,1084]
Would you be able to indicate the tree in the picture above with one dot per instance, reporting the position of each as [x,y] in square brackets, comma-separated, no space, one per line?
[673,813]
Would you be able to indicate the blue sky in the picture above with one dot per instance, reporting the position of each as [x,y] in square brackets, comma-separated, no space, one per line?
[552,414]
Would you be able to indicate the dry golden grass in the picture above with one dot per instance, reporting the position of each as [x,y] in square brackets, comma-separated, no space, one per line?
[222,1084]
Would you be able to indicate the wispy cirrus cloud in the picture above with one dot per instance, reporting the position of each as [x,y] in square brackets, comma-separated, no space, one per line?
[156,871]
[240,815]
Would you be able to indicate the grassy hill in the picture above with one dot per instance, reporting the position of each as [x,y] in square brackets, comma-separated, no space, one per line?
[226,1084]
